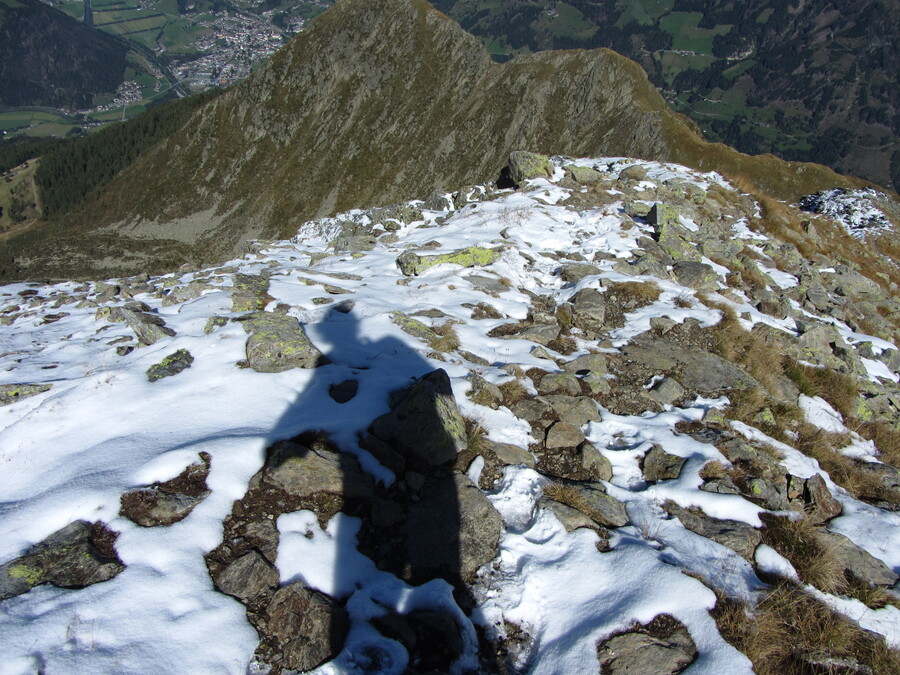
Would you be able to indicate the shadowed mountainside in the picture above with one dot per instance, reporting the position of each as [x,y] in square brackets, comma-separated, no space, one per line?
[375,103]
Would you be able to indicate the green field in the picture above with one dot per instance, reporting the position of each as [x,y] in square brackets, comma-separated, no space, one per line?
[686,35]
[644,12]
[570,21]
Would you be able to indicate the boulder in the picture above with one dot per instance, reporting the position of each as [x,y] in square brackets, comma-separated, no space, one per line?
[589,363]
[412,264]
[672,237]
[278,342]
[187,292]
[563,435]
[583,174]
[524,165]
[571,519]
[588,310]
[577,410]
[559,383]
[510,454]
[307,627]
[171,365]
[425,425]
[857,562]
[78,555]
[666,391]
[663,647]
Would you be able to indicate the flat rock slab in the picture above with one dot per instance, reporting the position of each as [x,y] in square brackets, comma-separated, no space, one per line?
[412,264]
[662,647]
[78,555]
[10,393]
[277,343]
[301,471]
[169,502]
[739,537]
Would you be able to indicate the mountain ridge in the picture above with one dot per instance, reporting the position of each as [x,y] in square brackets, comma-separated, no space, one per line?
[348,117]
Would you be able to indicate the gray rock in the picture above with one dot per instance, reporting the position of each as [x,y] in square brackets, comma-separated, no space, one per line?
[171,365]
[485,393]
[248,578]
[532,410]
[818,502]
[722,486]
[183,293]
[452,531]
[661,652]
[577,410]
[583,174]
[169,502]
[301,471]
[543,334]
[278,342]
[559,383]
[857,562]
[489,285]
[250,293]
[696,275]
[10,393]
[593,502]
[589,363]
[660,465]
[511,454]
[563,435]
[215,322]
[425,426]
[308,627]
[524,165]
[672,237]
[595,462]
[589,310]
[571,519]
[738,536]
[666,391]
[412,263]
[573,272]
[78,555]
[149,328]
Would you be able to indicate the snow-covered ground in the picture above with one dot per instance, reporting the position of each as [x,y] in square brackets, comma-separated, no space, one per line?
[102,429]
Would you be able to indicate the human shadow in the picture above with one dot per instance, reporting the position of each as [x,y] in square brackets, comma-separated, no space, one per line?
[368,481]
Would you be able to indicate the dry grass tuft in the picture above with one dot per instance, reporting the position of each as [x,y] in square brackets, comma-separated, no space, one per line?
[712,470]
[799,542]
[886,439]
[788,628]
[447,340]
[475,436]
[565,494]
[845,471]
[635,293]
[513,392]
[683,302]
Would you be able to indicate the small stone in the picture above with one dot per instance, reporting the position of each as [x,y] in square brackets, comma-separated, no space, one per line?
[659,465]
[663,647]
[10,393]
[345,391]
[524,165]
[666,391]
[171,365]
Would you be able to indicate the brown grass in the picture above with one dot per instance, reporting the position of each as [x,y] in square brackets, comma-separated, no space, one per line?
[839,389]
[788,625]
[886,439]
[799,542]
[513,392]
[683,302]
[565,494]
[447,340]
[475,436]
[636,293]
[845,471]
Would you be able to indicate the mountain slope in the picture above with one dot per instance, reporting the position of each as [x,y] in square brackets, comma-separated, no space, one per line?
[49,59]
[811,81]
[375,103]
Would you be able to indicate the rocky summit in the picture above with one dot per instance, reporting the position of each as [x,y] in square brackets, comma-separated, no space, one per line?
[375,103]
[612,416]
